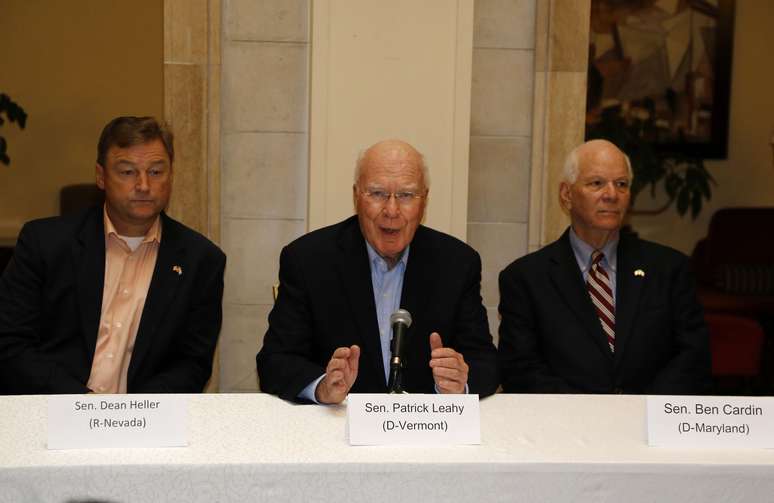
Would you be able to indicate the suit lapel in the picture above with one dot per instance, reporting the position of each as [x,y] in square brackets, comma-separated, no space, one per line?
[89,260]
[568,281]
[167,276]
[355,273]
[628,292]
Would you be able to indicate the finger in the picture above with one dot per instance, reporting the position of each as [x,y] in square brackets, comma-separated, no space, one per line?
[354,355]
[349,366]
[448,374]
[334,378]
[336,364]
[445,353]
[354,360]
[449,362]
[341,353]
[435,341]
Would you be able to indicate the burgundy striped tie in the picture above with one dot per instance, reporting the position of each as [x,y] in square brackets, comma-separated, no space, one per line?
[601,292]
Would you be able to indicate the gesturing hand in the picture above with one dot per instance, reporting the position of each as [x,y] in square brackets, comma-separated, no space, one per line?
[450,372]
[340,374]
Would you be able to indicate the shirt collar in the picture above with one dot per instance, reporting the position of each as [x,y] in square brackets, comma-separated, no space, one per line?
[583,251]
[153,234]
[378,262]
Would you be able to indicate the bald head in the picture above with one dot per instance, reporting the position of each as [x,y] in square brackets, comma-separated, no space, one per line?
[596,191]
[395,153]
[589,152]
[390,194]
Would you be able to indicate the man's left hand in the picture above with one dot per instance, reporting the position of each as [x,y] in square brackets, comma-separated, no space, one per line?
[450,371]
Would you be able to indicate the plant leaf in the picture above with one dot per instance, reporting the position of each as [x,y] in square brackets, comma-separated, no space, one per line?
[683,200]
[672,184]
[3,145]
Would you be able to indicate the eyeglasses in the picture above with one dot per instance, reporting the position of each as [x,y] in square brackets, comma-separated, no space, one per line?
[403,197]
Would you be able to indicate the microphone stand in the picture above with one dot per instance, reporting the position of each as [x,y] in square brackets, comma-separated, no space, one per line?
[395,384]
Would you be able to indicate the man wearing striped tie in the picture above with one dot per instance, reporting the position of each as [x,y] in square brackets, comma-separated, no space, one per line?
[598,310]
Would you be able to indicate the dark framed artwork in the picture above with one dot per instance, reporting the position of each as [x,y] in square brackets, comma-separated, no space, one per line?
[666,66]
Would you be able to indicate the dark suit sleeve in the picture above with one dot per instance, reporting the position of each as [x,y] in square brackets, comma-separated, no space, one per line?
[688,372]
[189,366]
[472,337]
[24,369]
[522,366]
[286,362]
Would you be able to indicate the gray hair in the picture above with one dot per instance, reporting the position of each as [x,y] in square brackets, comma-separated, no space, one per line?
[422,165]
[571,166]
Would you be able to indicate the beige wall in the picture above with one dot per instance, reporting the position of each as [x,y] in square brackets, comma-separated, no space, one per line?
[73,66]
[397,69]
[746,178]
[264,102]
[500,138]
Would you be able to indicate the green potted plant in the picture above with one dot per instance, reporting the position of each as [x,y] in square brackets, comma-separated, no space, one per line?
[683,178]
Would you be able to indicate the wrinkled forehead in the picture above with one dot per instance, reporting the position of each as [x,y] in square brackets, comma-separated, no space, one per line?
[392,164]
[150,152]
[606,161]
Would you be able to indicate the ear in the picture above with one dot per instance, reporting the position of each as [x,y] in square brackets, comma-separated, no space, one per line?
[565,195]
[100,176]
[354,197]
[424,202]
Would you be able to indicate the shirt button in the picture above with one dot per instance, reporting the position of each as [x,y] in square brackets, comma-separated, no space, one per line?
[126,291]
[110,355]
[118,324]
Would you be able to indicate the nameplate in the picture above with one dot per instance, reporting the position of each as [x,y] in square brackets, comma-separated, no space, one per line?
[96,421]
[380,419]
[710,421]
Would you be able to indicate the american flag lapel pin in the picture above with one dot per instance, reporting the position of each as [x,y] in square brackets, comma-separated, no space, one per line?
[639,273]
[177,269]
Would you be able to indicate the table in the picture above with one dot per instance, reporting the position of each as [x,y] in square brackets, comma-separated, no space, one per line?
[255,447]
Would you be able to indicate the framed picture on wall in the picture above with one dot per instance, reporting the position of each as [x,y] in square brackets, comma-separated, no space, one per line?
[663,67]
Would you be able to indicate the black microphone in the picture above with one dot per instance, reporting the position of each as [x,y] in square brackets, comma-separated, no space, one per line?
[400,321]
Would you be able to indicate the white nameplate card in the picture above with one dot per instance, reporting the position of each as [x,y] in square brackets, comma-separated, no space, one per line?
[94,421]
[710,421]
[380,419]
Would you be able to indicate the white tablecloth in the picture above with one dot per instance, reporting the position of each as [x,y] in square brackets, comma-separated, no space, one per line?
[259,448]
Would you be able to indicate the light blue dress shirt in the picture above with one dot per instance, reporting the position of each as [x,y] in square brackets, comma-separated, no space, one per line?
[387,285]
[583,251]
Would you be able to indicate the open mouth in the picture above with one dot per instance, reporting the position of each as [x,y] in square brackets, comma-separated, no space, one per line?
[388,231]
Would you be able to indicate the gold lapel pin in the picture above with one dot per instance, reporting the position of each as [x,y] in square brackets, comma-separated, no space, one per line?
[177,269]
[640,273]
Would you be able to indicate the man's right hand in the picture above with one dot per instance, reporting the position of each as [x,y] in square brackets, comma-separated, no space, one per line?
[340,374]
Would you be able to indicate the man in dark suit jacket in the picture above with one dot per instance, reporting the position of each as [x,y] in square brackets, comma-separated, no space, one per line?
[558,336]
[328,334]
[54,294]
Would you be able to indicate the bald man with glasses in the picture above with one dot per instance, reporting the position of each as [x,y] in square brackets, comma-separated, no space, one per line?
[329,331]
